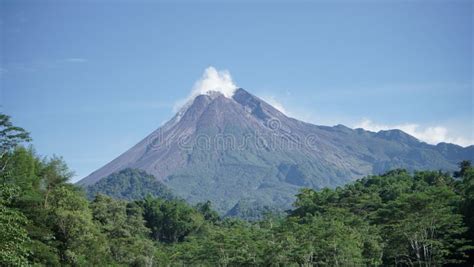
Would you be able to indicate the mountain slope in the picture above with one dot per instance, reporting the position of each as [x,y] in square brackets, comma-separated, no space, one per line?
[129,184]
[227,149]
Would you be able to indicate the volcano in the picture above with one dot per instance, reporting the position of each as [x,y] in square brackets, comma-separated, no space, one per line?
[229,149]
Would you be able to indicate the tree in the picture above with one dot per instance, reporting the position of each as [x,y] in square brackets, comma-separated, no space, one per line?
[170,220]
[13,235]
[206,210]
[54,173]
[234,243]
[20,168]
[10,137]
[423,228]
[81,242]
[467,205]
[124,228]
[464,166]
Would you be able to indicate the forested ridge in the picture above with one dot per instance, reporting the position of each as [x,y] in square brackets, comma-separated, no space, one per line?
[425,218]
[129,184]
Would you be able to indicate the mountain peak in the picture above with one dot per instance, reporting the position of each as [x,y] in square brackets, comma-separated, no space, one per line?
[243,99]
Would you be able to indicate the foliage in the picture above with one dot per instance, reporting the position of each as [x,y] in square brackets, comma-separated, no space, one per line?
[170,221]
[129,184]
[13,234]
[396,219]
[10,135]
[123,225]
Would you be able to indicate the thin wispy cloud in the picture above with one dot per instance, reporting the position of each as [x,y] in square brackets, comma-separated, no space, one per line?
[272,100]
[128,106]
[75,60]
[39,65]
[429,134]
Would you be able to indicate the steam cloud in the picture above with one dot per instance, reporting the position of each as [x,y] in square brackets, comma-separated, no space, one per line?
[212,80]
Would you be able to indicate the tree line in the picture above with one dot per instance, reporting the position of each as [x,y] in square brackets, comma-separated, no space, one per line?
[399,218]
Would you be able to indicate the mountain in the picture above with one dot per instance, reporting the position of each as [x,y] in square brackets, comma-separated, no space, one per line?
[225,149]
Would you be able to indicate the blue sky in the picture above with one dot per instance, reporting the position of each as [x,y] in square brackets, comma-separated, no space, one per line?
[90,79]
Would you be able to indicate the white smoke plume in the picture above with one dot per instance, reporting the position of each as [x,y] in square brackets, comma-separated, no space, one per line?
[212,80]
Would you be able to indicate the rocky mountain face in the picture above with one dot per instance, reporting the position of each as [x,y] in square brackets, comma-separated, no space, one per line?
[229,150]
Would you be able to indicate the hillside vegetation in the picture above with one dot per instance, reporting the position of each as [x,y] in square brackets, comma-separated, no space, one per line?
[129,184]
[399,218]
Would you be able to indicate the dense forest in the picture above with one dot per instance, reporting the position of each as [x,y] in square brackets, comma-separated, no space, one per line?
[424,218]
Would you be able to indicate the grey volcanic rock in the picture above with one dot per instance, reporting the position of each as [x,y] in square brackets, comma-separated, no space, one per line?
[228,149]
